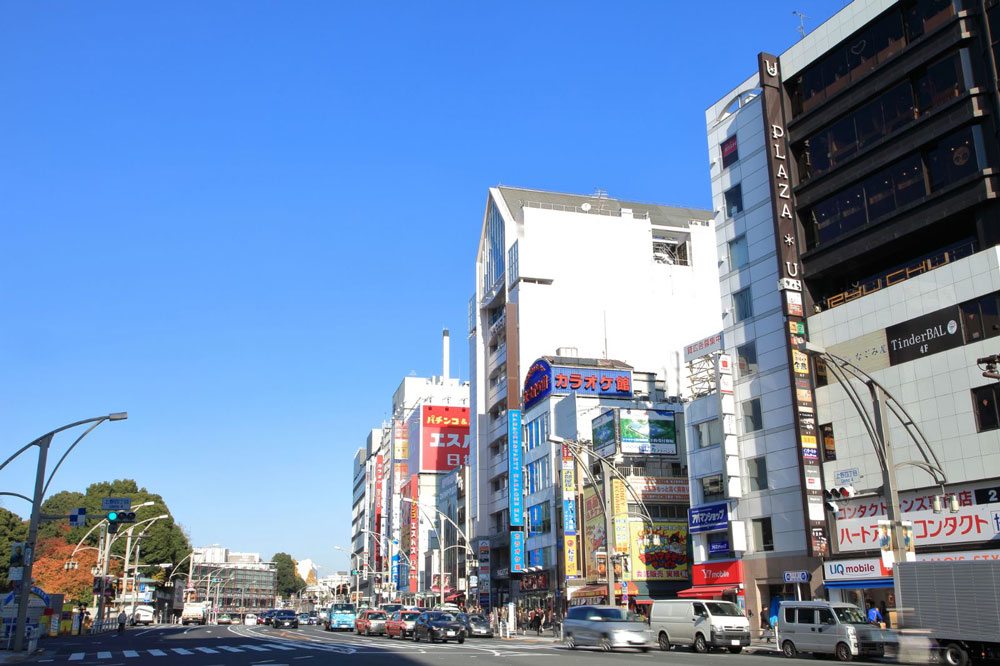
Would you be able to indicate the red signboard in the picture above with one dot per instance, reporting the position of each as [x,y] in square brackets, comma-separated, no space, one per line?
[444,438]
[378,511]
[717,573]
[414,532]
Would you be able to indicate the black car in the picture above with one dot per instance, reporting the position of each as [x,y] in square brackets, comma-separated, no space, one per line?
[475,625]
[285,618]
[265,617]
[437,626]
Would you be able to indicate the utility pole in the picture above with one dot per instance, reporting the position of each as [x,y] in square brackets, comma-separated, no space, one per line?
[441,554]
[104,574]
[608,530]
[888,473]
[135,574]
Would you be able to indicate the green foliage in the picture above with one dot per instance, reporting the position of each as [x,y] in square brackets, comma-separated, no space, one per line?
[288,581]
[12,528]
[59,505]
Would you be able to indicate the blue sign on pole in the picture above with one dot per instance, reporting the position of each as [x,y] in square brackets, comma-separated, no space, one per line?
[515,485]
[516,552]
[708,518]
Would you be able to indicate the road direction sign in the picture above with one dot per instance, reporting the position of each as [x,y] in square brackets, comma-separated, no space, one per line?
[116,504]
[77,517]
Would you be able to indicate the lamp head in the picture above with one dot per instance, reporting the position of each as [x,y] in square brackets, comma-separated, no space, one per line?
[117,416]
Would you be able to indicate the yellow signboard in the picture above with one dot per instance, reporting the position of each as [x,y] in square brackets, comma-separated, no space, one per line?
[571,556]
[659,551]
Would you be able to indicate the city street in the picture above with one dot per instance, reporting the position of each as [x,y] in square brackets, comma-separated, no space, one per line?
[211,645]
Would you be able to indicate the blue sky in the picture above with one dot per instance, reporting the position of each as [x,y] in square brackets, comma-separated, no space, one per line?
[245,222]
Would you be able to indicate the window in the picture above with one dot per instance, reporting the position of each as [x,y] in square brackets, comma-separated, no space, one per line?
[763,539]
[540,518]
[821,377]
[734,200]
[711,488]
[981,318]
[512,273]
[826,616]
[730,152]
[790,615]
[738,255]
[746,359]
[538,475]
[984,401]
[829,445]
[536,432]
[742,305]
[757,473]
[807,616]
[708,433]
[952,159]
[752,419]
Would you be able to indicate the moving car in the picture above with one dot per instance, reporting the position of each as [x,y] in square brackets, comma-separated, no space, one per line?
[391,608]
[224,619]
[401,623]
[608,627]
[437,626]
[824,627]
[143,615]
[250,618]
[268,616]
[341,616]
[371,622]
[285,618]
[304,619]
[701,624]
[475,625]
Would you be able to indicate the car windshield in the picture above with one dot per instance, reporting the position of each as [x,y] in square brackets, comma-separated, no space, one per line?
[849,615]
[409,616]
[616,615]
[376,615]
[391,608]
[724,608]
[477,618]
[285,613]
[440,617]
[304,616]
[342,608]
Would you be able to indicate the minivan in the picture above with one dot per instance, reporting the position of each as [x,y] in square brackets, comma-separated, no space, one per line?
[699,623]
[824,627]
[607,627]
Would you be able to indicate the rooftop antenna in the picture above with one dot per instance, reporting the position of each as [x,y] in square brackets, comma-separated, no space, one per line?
[802,22]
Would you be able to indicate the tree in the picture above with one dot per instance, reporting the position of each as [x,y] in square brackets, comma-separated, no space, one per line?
[12,529]
[51,574]
[288,581]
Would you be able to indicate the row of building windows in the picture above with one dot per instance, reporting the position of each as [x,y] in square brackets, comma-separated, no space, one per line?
[902,183]
[867,49]
[928,89]
[536,432]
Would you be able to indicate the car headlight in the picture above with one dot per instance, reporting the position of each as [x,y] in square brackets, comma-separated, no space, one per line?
[852,632]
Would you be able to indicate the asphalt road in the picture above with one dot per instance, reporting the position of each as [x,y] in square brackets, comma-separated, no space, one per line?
[311,646]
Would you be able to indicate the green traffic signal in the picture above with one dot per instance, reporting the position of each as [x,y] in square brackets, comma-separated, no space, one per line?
[112,516]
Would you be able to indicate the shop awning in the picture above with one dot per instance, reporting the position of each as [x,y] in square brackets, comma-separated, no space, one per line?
[858,584]
[455,596]
[706,591]
[590,591]
[642,600]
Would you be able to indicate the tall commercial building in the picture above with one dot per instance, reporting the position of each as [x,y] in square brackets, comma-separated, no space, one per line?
[599,277]
[234,583]
[855,179]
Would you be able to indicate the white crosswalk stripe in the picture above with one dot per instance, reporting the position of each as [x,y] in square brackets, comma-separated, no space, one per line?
[254,647]
[158,653]
[181,651]
[77,656]
[278,647]
[230,648]
[130,653]
[104,655]
[207,650]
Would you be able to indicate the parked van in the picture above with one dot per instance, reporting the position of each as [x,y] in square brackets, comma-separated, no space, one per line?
[824,627]
[702,624]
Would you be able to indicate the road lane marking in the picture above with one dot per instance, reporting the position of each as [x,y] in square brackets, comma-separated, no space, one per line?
[230,648]
[77,656]
[207,650]
[130,653]
[157,653]
[254,647]
[278,647]
[181,651]
[104,655]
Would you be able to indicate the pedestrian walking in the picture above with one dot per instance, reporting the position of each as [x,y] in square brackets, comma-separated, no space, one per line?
[874,615]
[121,621]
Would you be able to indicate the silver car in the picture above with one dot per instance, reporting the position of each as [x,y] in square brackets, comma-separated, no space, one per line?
[607,627]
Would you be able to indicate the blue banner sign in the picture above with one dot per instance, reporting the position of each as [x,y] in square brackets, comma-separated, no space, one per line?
[544,379]
[515,485]
[708,518]
[718,547]
[516,552]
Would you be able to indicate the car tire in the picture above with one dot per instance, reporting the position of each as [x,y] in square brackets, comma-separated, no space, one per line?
[700,645]
[788,649]
[644,650]
[605,644]
[663,641]
[461,640]
[569,642]
[416,639]
[955,654]
[736,649]
[844,652]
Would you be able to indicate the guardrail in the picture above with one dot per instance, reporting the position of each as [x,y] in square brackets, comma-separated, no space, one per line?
[101,626]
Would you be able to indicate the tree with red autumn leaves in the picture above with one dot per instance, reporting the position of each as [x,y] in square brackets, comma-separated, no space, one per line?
[50,573]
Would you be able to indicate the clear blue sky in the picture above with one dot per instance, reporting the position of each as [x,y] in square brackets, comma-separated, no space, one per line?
[245,222]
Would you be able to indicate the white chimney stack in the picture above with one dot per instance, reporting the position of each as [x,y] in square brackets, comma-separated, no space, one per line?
[446,353]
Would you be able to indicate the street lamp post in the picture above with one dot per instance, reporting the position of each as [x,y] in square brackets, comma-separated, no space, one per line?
[442,516]
[357,582]
[41,485]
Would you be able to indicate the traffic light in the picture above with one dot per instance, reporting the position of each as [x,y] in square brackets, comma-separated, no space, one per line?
[834,495]
[116,518]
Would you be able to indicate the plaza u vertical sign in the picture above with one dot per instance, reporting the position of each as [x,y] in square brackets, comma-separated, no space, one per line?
[786,237]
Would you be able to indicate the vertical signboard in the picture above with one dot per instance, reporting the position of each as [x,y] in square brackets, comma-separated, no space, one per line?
[414,533]
[570,550]
[484,573]
[619,507]
[515,483]
[787,233]
[516,552]
[400,440]
[378,510]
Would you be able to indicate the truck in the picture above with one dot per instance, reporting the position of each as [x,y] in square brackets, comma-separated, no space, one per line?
[955,603]
[195,612]
[340,616]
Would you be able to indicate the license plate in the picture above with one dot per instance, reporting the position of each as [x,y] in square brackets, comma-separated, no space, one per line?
[451,633]
[734,642]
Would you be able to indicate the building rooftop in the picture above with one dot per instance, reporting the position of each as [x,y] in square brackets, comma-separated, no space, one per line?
[600,204]
[577,362]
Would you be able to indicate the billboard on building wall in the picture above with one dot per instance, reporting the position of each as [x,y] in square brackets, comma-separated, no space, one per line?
[414,533]
[400,440]
[647,431]
[594,538]
[378,510]
[444,438]
[543,379]
[605,434]
[658,551]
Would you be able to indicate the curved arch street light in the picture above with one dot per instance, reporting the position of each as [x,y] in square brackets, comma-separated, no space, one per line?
[41,485]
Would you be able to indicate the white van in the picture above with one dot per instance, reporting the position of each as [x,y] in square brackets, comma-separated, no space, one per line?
[143,615]
[824,627]
[702,624]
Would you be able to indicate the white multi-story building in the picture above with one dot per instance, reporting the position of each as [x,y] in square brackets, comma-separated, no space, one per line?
[854,179]
[608,278]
